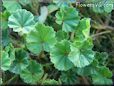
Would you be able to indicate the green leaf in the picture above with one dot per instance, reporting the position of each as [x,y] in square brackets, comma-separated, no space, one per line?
[5,37]
[21,61]
[104,6]
[4,16]
[83,29]
[63,2]
[11,5]
[11,51]
[101,57]
[5,61]
[52,8]
[80,54]
[102,76]
[99,80]
[59,55]
[104,71]
[68,18]
[41,39]
[69,77]
[24,2]
[33,73]
[22,21]
[50,82]
[61,35]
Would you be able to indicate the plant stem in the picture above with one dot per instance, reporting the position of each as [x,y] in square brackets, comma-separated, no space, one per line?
[85,80]
[101,33]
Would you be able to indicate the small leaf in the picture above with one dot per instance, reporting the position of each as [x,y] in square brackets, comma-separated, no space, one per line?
[80,54]
[41,39]
[83,29]
[33,73]
[11,51]
[11,5]
[52,8]
[5,61]
[22,21]
[21,61]
[59,56]
[68,18]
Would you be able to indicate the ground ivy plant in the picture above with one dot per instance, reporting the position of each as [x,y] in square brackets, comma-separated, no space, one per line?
[50,43]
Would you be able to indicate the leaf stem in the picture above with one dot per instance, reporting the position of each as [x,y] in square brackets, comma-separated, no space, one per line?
[72,36]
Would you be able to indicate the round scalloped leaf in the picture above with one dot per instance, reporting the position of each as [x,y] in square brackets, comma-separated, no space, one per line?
[50,82]
[5,61]
[41,39]
[59,55]
[22,21]
[11,5]
[104,6]
[21,61]
[67,17]
[80,54]
[33,73]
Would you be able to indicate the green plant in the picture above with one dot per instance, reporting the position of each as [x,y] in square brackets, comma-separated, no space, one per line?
[59,43]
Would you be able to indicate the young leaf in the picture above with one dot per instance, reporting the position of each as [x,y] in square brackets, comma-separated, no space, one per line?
[5,61]
[11,5]
[33,73]
[59,56]
[22,21]
[83,29]
[21,61]
[80,54]
[67,17]
[41,39]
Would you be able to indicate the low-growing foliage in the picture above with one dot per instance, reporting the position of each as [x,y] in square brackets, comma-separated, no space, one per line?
[57,42]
